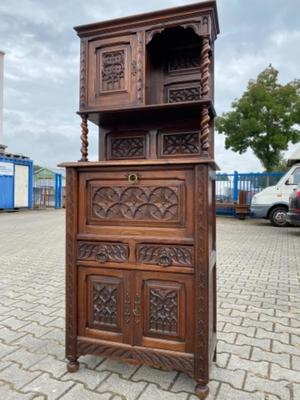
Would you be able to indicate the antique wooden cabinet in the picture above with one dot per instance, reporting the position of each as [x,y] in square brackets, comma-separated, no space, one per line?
[140,221]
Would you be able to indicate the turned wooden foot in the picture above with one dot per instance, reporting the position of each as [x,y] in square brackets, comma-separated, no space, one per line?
[73,366]
[201,391]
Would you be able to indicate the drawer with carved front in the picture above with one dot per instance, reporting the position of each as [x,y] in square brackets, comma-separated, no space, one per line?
[166,255]
[103,252]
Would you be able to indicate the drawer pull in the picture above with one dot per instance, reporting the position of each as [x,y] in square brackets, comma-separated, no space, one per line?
[164,260]
[101,257]
[133,178]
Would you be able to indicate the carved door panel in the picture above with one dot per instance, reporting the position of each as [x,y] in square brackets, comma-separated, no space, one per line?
[163,311]
[112,72]
[156,203]
[104,304]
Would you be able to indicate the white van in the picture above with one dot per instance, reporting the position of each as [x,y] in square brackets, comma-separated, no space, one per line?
[273,202]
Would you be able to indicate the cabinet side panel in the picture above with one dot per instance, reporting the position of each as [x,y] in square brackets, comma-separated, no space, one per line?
[201,276]
[212,262]
[71,273]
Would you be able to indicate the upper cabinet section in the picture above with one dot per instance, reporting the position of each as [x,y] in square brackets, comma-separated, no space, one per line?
[150,59]
[112,72]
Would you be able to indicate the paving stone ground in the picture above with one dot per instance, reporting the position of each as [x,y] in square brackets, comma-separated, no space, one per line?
[258,319]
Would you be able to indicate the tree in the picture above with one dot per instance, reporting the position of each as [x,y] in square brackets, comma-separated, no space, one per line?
[266,119]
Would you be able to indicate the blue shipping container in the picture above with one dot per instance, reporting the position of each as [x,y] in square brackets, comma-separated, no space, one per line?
[6,191]
[7,181]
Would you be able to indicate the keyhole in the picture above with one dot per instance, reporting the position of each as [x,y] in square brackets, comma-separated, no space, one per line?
[133,178]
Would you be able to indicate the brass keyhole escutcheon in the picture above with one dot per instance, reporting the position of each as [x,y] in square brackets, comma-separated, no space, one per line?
[133,178]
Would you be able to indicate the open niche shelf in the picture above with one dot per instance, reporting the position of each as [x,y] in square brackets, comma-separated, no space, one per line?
[173,60]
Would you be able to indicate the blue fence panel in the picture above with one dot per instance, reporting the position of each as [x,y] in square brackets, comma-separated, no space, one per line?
[44,192]
[48,191]
[253,183]
[224,187]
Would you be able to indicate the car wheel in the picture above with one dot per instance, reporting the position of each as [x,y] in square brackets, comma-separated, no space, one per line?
[278,217]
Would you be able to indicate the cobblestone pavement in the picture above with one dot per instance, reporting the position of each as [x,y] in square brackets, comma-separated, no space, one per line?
[258,314]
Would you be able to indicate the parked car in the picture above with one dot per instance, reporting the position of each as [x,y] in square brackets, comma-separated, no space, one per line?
[293,216]
[273,202]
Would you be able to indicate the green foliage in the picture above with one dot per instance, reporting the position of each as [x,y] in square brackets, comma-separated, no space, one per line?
[264,119]
[281,166]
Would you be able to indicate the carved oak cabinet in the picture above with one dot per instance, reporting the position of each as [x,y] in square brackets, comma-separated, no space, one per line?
[140,221]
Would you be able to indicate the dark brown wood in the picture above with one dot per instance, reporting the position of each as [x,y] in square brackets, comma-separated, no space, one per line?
[204,67]
[71,270]
[84,137]
[204,124]
[141,247]
[242,208]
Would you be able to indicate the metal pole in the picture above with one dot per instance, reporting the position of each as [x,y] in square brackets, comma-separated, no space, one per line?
[235,186]
[58,182]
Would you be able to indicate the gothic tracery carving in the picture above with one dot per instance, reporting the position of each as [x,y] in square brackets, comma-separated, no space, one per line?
[176,95]
[127,147]
[105,307]
[136,203]
[184,60]
[163,310]
[113,70]
[184,143]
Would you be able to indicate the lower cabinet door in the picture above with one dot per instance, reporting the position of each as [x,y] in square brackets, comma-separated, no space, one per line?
[104,304]
[164,311]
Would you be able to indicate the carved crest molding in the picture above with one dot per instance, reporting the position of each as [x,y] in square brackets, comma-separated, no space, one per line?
[201,27]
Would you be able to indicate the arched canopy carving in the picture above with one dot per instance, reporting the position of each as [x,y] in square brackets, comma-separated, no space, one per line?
[201,27]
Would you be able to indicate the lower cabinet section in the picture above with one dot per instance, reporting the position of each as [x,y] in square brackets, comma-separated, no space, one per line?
[145,309]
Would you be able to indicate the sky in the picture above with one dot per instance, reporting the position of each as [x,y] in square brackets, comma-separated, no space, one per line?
[42,67]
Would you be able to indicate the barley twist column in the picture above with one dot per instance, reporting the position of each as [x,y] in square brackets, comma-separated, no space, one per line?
[204,132]
[84,137]
[205,92]
[204,67]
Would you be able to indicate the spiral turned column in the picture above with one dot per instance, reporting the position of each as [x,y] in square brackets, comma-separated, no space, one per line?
[204,130]
[204,67]
[205,92]
[84,137]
